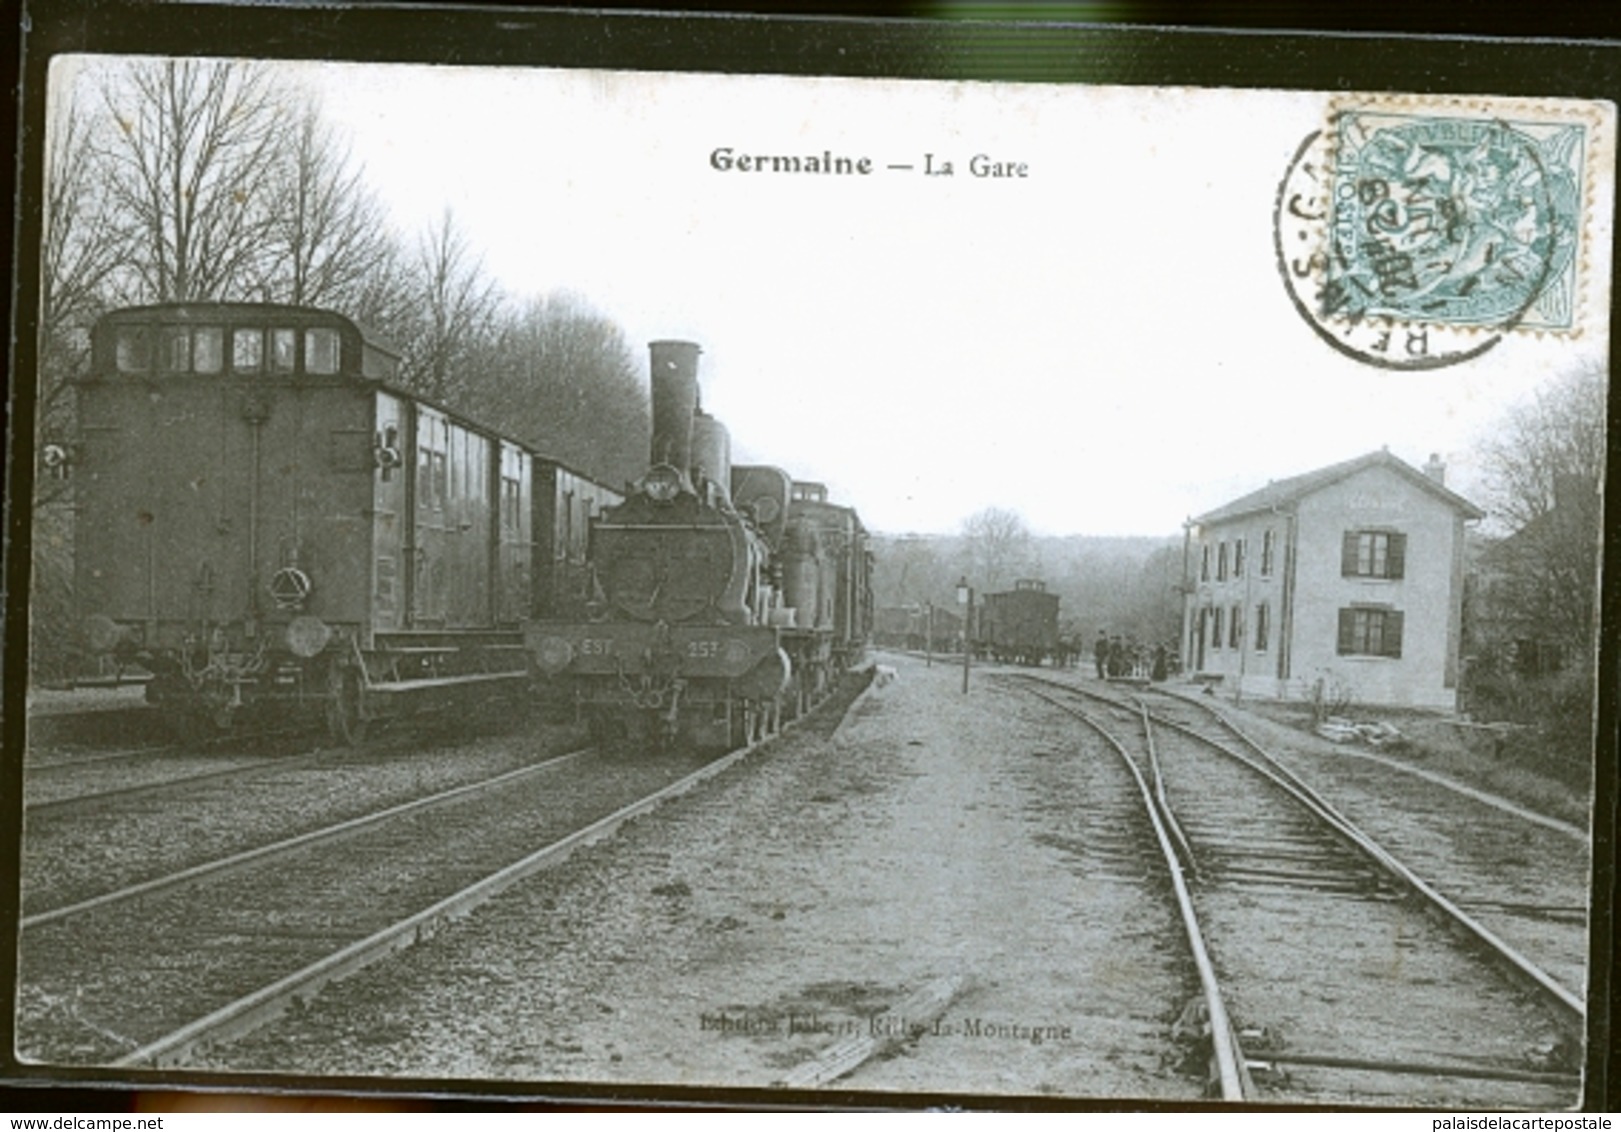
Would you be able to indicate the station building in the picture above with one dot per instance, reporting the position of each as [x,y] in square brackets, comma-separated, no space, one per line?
[1344,583]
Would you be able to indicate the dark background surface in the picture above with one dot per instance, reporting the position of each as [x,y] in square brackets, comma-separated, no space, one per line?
[1511,48]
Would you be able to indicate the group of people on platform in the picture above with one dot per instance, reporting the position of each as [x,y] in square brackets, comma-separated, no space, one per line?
[1119,657]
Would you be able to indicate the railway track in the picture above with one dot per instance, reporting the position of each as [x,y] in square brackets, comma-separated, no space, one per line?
[1520,874]
[1343,978]
[55,788]
[214,869]
[211,954]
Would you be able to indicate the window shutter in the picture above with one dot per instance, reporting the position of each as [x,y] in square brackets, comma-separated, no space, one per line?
[1348,558]
[1347,631]
[1393,621]
[1396,555]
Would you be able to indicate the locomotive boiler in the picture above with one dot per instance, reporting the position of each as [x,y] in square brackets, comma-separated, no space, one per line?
[725,598]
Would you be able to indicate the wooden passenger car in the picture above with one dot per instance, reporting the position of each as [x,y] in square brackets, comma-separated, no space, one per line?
[265,514]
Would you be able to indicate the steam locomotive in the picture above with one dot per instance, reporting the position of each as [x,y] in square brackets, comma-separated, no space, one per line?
[725,598]
[266,519]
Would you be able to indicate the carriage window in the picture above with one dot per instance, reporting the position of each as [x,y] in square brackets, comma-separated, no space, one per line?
[177,349]
[511,497]
[134,349]
[321,351]
[247,351]
[424,477]
[283,345]
[208,349]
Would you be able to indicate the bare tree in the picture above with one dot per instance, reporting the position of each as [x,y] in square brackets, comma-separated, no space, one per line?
[325,238]
[193,150]
[563,379]
[1545,467]
[997,547]
[82,248]
[454,314]
[80,251]
[912,570]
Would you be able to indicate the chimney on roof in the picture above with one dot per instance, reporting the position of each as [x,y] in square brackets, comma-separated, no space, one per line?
[1436,470]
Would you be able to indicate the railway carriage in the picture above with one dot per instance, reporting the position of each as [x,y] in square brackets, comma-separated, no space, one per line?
[918,628]
[1020,625]
[724,596]
[264,515]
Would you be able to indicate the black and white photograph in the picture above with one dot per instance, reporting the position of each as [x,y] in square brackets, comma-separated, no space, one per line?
[882,586]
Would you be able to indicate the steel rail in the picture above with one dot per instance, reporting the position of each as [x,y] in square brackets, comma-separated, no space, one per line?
[1182,841]
[1230,1066]
[1495,802]
[53,805]
[286,845]
[261,1006]
[35,766]
[1287,780]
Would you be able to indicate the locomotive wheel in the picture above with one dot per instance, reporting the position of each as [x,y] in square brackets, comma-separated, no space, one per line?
[345,706]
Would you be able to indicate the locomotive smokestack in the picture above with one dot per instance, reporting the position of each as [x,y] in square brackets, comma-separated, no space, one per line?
[675,399]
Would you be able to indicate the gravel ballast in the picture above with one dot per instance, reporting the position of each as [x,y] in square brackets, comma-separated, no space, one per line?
[738,934]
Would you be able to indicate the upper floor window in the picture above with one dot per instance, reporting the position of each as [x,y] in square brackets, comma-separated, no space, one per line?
[1268,548]
[1370,631]
[1221,561]
[1204,562]
[1373,554]
[1238,558]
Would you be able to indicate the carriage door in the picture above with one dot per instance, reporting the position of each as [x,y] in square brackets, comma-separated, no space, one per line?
[429,570]
[393,468]
[512,571]
[468,537]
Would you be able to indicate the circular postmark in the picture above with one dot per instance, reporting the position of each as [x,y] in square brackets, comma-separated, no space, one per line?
[1412,243]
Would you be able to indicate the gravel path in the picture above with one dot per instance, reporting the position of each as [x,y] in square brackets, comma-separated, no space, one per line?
[739,932]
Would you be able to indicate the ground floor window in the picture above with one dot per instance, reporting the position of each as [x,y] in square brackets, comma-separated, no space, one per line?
[1370,631]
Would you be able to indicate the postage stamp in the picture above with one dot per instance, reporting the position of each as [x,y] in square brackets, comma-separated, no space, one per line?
[1415,232]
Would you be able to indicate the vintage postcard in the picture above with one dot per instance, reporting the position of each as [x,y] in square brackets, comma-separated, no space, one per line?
[553,578]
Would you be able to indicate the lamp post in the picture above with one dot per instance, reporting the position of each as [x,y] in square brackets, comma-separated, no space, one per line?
[965,598]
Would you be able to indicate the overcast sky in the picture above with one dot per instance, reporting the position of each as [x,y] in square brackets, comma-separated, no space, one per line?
[1105,344]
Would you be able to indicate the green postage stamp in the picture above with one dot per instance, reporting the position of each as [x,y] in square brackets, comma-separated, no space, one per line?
[1415,231]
